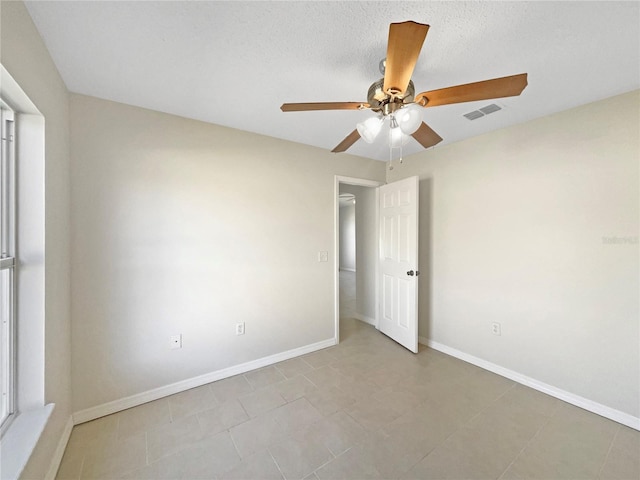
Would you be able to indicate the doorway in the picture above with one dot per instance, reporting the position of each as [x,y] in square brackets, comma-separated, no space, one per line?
[386,280]
[347,250]
[356,244]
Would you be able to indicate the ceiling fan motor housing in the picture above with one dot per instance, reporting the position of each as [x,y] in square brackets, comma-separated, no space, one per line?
[385,103]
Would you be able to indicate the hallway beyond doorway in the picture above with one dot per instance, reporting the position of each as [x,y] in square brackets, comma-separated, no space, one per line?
[347,294]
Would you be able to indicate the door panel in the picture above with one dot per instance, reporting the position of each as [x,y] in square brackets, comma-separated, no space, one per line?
[387,297]
[404,298]
[398,256]
[404,238]
[388,240]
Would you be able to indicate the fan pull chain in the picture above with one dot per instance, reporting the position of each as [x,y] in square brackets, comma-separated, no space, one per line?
[400,160]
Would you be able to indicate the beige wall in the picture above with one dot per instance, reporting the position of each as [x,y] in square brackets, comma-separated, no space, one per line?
[347,247]
[27,60]
[185,227]
[513,227]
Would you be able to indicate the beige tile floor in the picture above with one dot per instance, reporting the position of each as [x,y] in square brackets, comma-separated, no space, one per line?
[347,294]
[365,408]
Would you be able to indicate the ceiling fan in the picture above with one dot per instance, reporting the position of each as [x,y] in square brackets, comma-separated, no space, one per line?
[394,100]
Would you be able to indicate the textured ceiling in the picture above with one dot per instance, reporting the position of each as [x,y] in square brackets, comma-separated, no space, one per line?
[234,63]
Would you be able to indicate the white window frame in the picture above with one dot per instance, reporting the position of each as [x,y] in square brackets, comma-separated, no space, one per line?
[31,412]
[7,266]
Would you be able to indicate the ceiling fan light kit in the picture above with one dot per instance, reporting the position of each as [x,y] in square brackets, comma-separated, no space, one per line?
[397,138]
[370,128]
[393,97]
[409,119]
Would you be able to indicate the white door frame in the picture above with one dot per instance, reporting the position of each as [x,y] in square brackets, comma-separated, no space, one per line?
[362,182]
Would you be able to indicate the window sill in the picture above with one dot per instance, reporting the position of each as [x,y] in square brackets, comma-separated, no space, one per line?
[20,440]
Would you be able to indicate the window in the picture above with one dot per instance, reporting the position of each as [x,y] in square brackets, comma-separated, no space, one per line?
[22,277]
[7,266]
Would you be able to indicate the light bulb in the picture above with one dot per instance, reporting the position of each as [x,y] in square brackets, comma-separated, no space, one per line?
[409,119]
[397,138]
[369,129]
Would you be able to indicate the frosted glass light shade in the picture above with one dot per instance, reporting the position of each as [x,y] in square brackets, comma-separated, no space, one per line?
[397,138]
[409,119]
[369,129]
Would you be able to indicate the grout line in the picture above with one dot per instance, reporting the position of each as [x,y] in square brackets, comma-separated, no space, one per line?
[482,410]
[215,396]
[234,444]
[463,425]
[310,381]
[212,393]
[606,457]
[326,463]
[228,429]
[526,446]
[334,458]
[310,366]
[512,387]
[439,444]
[249,417]
[171,419]
[357,423]
[333,455]
[276,462]
[146,448]
[244,376]
[421,459]
[281,373]
[200,427]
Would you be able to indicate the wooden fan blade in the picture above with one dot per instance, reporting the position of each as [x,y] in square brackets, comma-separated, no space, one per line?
[303,107]
[497,88]
[352,138]
[403,49]
[426,136]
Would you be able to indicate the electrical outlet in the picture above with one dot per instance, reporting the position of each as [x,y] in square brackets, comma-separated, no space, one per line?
[495,328]
[240,328]
[323,256]
[175,341]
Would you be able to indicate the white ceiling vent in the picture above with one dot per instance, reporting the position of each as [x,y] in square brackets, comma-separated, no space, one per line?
[473,115]
[482,112]
[490,109]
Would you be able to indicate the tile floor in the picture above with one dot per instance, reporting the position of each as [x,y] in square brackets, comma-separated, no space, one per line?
[365,408]
[347,294]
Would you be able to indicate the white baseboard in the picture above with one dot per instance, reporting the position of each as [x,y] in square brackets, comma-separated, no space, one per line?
[577,400]
[138,399]
[365,319]
[58,454]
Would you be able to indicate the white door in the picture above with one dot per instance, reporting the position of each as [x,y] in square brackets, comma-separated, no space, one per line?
[398,259]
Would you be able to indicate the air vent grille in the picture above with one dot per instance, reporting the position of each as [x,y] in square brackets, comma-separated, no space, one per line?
[482,112]
[473,115]
[490,109]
